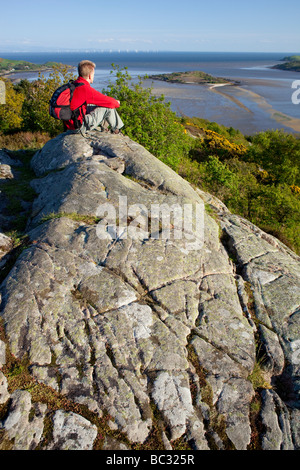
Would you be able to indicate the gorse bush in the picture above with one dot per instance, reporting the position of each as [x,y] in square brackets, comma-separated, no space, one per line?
[216,144]
[258,181]
[11,111]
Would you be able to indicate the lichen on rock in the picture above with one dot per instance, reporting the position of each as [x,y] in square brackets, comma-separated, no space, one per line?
[152,330]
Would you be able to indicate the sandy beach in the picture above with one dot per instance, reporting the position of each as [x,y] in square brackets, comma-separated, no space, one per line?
[278,116]
[236,105]
[232,98]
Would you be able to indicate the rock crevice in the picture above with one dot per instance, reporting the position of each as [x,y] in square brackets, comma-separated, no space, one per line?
[156,331]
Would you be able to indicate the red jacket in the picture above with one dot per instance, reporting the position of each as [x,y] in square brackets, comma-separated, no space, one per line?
[84,95]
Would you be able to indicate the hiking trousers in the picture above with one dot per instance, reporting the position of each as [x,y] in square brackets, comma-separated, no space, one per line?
[97,116]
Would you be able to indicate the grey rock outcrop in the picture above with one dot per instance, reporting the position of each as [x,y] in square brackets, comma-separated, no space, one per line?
[21,430]
[8,169]
[154,326]
[72,432]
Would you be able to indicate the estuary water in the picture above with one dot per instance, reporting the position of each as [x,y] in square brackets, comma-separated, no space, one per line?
[261,100]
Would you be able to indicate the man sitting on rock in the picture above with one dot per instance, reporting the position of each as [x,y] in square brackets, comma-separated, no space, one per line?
[95,109]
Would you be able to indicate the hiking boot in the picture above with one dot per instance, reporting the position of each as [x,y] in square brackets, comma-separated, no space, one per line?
[104,126]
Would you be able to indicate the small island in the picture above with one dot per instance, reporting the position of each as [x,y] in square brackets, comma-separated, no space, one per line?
[194,77]
[8,66]
[291,63]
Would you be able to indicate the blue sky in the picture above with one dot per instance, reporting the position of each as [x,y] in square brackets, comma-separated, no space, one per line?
[191,25]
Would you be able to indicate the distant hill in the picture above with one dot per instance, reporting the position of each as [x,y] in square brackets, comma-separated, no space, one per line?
[11,66]
[196,77]
[292,58]
[291,63]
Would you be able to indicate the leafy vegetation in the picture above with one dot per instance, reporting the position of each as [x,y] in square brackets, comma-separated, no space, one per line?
[27,103]
[256,176]
[35,111]
[149,119]
[10,112]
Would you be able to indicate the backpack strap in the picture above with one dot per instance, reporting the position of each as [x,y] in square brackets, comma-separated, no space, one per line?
[75,112]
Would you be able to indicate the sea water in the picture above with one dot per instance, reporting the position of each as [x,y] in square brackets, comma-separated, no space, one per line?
[261,100]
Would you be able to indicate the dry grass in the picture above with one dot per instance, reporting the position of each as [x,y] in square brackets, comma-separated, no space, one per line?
[23,140]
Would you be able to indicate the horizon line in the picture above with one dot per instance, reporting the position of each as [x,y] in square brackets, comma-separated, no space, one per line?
[110,51]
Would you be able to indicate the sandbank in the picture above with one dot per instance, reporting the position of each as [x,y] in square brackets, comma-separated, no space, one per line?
[278,116]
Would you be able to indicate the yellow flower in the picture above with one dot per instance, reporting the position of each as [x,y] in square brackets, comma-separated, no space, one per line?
[216,140]
[295,189]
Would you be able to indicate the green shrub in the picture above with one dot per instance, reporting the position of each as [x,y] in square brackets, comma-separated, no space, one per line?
[217,174]
[35,110]
[11,111]
[247,191]
[278,153]
[149,119]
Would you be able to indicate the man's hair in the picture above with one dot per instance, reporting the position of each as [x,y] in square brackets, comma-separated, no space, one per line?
[85,67]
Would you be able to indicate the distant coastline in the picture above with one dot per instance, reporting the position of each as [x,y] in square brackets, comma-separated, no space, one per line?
[9,67]
[291,63]
[228,105]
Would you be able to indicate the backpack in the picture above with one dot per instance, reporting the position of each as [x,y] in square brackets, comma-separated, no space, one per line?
[59,105]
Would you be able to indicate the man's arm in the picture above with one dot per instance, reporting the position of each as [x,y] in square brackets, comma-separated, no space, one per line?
[98,99]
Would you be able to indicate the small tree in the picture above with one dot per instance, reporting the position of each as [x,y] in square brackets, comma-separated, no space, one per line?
[278,153]
[10,112]
[35,111]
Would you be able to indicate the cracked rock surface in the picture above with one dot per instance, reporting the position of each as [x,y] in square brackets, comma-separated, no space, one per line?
[154,330]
